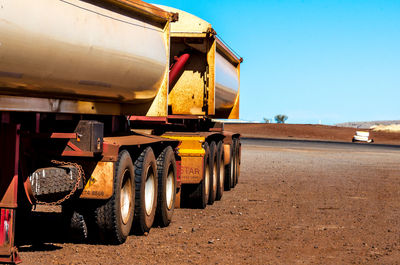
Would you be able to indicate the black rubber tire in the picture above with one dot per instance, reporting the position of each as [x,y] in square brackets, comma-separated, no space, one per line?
[145,167]
[74,222]
[78,227]
[234,156]
[213,173]
[166,167]
[229,171]
[233,164]
[196,196]
[108,217]
[221,170]
[238,161]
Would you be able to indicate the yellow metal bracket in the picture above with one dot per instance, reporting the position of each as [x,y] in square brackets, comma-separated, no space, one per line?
[192,153]
[100,184]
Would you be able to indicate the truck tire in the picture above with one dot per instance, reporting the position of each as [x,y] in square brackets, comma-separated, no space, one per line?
[114,218]
[234,155]
[237,161]
[203,189]
[229,171]
[220,170]
[233,184]
[213,173]
[166,167]
[146,192]
[74,221]
[78,226]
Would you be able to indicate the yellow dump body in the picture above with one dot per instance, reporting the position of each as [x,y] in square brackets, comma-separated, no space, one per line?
[210,83]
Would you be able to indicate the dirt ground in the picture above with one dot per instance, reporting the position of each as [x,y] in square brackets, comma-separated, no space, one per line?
[292,206]
[309,132]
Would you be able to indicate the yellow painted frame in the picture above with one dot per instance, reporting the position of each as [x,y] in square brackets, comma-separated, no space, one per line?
[192,157]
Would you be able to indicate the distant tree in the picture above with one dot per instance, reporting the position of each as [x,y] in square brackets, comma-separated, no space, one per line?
[281,118]
[266,120]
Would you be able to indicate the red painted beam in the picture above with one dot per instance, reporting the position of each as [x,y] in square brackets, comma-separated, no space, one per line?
[148,119]
[9,164]
[64,136]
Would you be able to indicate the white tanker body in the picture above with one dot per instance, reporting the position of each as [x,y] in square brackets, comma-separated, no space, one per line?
[226,83]
[80,51]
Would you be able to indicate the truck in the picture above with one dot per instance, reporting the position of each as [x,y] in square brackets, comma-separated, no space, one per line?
[111,110]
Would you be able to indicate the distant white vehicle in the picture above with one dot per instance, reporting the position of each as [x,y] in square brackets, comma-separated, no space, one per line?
[362,136]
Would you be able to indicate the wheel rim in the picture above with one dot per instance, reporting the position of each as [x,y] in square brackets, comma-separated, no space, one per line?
[207,180]
[149,191]
[170,189]
[126,197]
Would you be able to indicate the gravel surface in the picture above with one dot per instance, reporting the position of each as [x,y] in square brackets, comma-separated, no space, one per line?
[300,205]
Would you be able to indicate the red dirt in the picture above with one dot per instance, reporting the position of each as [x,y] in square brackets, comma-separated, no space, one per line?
[309,132]
[291,206]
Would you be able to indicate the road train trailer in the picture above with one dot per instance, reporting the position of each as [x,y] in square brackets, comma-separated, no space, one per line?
[108,108]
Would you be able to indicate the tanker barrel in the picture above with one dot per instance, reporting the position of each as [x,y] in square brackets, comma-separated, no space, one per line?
[111,58]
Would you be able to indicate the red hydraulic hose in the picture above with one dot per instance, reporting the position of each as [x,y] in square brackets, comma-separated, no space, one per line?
[177,68]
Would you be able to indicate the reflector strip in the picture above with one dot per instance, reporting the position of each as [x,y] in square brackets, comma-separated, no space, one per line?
[178,171]
[6,217]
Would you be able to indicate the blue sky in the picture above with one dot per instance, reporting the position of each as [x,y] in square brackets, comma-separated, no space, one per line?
[330,61]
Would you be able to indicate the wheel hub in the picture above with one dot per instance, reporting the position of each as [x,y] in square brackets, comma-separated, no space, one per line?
[126,197]
[170,189]
[207,180]
[149,192]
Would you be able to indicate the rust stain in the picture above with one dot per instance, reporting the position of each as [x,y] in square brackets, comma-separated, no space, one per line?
[192,170]
[100,184]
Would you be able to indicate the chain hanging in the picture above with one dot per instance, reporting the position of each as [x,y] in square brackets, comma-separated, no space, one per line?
[81,176]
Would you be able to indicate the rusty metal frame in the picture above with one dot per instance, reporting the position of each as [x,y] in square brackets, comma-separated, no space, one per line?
[145,9]
[64,136]
[9,160]
[224,49]
[149,119]
[75,150]
[100,184]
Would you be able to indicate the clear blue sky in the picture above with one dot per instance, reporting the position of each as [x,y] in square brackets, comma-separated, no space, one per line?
[327,60]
